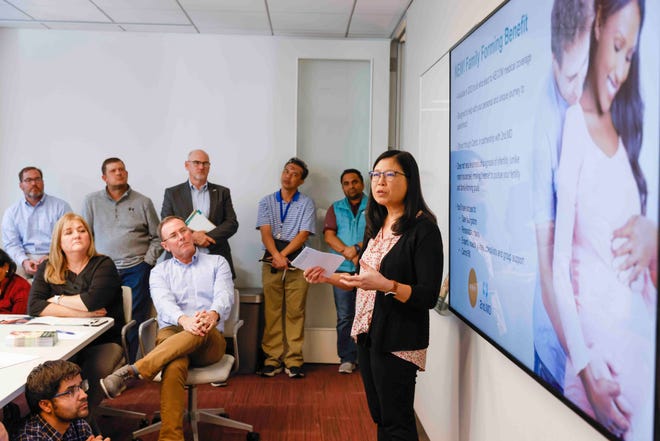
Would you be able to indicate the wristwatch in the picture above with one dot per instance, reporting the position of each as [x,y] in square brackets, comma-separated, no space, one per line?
[395,286]
[357,248]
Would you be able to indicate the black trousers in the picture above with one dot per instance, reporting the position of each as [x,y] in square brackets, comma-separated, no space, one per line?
[389,382]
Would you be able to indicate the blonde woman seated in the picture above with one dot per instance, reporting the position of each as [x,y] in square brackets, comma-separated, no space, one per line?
[75,281]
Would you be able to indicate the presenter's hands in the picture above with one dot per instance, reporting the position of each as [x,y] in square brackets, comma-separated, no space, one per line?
[368,279]
[639,247]
[201,239]
[97,438]
[316,275]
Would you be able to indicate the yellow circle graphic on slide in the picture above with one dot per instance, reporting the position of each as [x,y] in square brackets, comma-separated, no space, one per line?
[473,287]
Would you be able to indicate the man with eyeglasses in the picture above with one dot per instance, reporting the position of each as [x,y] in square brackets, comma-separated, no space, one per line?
[28,224]
[56,395]
[125,227]
[214,202]
[343,231]
[285,220]
[193,293]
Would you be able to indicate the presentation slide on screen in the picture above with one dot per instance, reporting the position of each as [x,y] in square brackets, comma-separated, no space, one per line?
[554,170]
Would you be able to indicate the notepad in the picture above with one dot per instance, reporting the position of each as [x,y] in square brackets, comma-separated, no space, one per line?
[198,222]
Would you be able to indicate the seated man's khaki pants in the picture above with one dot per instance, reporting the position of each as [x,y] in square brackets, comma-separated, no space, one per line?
[175,350]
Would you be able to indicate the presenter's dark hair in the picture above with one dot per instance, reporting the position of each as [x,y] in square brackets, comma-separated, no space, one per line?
[351,170]
[414,204]
[4,258]
[569,19]
[44,381]
[27,169]
[627,108]
[300,163]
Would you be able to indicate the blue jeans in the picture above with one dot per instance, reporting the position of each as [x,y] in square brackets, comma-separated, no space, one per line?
[345,304]
[137,278]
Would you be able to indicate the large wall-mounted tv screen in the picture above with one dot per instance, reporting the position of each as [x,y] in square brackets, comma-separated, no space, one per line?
[554,138]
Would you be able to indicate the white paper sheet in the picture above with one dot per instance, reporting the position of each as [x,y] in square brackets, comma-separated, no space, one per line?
[12,358]
[309,258]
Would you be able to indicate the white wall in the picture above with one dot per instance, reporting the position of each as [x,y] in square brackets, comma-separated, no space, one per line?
[470,392]
[69,99]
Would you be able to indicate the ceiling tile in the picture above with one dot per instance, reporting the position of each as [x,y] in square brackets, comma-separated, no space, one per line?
[143,11]
[8,12]
[309,24]
[311,6]
[189,29]
[225,5]
[394,7]
[231,22]
[373,25]
[67,10]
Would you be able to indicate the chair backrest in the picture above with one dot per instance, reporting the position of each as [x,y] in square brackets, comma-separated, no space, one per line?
[234,316]
[127,302]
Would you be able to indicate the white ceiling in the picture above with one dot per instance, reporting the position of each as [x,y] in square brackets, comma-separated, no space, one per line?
[301,18]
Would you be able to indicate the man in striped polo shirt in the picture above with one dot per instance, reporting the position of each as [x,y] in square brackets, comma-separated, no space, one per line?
[285,219]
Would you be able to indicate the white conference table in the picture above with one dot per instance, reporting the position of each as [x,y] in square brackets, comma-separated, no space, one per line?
[71,340]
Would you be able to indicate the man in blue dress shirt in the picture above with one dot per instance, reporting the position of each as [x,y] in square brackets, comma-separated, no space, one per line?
[193,293]
[27,225]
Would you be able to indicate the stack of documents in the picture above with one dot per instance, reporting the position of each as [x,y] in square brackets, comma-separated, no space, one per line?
[31,338]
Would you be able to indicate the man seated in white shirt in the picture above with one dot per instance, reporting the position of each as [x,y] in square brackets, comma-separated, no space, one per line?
[193,294]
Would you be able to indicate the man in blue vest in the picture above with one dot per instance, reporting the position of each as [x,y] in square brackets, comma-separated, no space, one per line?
[343,231]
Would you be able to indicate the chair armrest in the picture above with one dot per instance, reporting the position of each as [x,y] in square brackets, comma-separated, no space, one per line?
[146,335]
[124,338]
[234,336]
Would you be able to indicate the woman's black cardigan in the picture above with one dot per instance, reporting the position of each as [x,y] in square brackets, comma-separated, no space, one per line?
[415,260]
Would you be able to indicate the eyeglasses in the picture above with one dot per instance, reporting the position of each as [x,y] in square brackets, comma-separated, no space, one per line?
[33,180]
[389,175]
[202,163]
[181,232]
[74,390]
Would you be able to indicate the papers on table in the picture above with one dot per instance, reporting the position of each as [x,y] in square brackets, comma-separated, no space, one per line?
[13,319]
[309,258]
[67,321]
[198,222]
[12,358]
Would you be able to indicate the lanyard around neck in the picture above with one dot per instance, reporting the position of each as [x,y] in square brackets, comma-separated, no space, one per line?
[283,212]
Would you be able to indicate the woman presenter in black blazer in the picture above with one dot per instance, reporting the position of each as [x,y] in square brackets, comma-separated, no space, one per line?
[399,281]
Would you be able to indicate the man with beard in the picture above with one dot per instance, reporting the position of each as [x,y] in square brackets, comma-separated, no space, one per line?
[343,231]
[27,225]
[55,393]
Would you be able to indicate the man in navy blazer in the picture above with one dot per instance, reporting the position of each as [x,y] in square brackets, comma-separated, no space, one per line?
[214,201]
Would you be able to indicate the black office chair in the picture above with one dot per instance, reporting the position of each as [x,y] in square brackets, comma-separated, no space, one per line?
[216,374]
